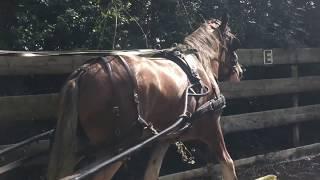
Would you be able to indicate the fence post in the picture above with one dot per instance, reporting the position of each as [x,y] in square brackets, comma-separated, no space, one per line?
[295,102]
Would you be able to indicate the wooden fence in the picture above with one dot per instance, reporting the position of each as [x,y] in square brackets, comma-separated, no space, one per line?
[10,64]
[42,107]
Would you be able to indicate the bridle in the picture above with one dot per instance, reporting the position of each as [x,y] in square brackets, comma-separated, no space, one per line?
[233,62]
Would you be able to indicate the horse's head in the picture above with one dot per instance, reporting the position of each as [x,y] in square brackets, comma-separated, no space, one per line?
[229,67]
[216,48]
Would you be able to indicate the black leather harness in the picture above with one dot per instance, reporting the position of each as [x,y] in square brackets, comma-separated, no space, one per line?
[215,104]
[177,57]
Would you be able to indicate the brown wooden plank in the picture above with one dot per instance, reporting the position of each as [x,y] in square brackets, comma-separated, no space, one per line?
[41,64]
[32,148]
[44,107]
[13,65]
[33,154]
[32,107]
[271,118]
[52,62]
[252,88]
[254,57]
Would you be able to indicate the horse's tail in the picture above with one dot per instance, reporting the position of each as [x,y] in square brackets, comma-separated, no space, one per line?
[63,153]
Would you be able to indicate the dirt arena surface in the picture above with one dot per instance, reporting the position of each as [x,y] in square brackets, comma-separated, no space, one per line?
[304,169]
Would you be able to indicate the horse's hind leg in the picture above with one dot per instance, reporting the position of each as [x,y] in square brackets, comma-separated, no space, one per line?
[155,161]
[215,140]
[108,172]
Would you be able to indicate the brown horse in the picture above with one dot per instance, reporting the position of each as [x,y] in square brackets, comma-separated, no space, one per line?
[119,100]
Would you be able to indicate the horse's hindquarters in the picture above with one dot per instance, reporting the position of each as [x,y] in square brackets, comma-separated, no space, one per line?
[107,110]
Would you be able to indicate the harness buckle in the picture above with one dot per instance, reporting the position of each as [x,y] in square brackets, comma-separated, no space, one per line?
[177,53]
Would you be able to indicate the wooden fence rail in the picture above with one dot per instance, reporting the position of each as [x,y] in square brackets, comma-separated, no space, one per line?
[28,108]
[254,57]
[265,87]
[29,63]
[271,118]
[44,107]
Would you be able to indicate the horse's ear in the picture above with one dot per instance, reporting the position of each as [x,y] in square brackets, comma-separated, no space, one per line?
[224,22]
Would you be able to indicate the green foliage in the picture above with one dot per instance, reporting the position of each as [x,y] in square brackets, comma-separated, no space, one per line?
[128,24]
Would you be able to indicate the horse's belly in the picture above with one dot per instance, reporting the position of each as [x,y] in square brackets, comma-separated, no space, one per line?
[163,108]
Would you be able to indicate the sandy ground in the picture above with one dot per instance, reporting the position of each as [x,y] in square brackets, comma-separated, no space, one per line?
[305,169]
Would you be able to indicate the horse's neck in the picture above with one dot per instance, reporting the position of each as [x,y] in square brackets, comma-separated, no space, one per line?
[215,69]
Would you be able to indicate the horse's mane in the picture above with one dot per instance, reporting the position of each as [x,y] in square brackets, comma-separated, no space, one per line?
[205,42]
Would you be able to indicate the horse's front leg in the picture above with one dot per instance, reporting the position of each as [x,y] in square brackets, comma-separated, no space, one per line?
[215,140]
[155,161]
